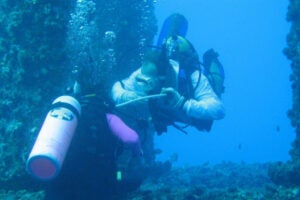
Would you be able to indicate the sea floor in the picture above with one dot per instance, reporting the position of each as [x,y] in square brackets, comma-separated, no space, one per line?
[225,181]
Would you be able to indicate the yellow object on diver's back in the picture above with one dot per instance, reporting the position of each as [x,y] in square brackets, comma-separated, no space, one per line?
[214,71]
[216,79]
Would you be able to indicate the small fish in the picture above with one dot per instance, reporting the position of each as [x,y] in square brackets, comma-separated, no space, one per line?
[174,157]
[240,146]
[157,151]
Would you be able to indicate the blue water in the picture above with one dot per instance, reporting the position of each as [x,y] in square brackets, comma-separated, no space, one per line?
[249,36]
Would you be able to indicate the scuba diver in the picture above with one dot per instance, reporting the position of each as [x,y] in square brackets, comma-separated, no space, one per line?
[90,169]
[186,93]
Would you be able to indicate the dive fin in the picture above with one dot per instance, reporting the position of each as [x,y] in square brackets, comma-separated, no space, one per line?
[175,24]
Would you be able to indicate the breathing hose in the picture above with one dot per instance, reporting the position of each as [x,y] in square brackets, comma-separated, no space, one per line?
[140,99]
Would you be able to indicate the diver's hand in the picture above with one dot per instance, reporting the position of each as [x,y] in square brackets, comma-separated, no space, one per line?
[173,100]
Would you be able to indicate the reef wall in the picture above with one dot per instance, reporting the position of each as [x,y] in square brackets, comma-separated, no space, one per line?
[293,53]
[289,173]
[37,56]
[31,68]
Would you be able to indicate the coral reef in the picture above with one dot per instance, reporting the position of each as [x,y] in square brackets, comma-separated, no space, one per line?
[225,181]
[31,70]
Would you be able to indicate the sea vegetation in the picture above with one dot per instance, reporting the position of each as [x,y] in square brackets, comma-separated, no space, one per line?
[45,44]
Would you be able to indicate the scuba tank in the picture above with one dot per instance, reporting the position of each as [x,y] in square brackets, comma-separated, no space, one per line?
[214,71]
[50,148]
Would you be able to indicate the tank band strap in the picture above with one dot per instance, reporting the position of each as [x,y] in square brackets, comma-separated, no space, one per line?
[66,105]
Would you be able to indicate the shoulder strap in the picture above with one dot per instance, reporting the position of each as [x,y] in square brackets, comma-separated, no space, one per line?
[185,86]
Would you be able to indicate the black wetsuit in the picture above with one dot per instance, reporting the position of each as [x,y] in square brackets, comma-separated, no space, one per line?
[89,170]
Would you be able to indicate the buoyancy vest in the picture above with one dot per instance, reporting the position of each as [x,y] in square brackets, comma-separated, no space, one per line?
[213,70]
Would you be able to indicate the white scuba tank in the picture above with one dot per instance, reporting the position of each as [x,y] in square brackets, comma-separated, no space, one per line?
[51,146]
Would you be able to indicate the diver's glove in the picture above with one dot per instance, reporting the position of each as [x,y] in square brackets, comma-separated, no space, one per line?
[173,100]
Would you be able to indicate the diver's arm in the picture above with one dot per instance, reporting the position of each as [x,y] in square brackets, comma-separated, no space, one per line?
[205,104]
[120,94]
[126,90]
